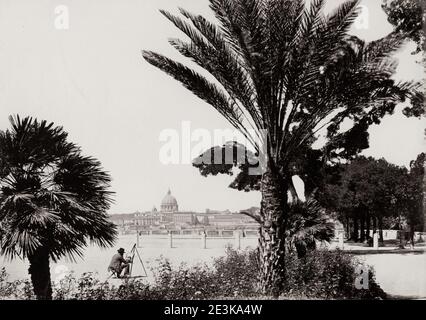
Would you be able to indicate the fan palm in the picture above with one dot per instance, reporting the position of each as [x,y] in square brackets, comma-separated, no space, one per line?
[307,224]
[290,70]
[53,200]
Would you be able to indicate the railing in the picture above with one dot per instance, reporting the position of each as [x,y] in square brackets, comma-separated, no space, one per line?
[195,233]
[235,235]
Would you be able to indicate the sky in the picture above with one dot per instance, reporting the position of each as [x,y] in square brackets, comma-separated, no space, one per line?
[89,77]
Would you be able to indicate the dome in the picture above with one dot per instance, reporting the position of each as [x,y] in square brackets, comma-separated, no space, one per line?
[169,203]
[169,200]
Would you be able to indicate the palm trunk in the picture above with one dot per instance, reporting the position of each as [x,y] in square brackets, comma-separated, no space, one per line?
[39,271]
[272,234]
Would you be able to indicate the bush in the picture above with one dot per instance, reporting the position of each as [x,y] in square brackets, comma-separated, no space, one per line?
[328,275]
[319,275]
[184,283]
[18,289]
[87,287]
[230,277]
[236,273]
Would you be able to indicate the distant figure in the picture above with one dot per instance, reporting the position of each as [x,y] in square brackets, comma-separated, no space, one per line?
[118,264]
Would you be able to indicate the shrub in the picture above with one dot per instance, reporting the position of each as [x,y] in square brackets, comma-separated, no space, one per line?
[231,276]
[87,287]
[319,275]
[235,273]
[18,289]
[183,282]
[328,275]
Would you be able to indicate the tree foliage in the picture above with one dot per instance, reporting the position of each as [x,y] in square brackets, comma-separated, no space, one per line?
[377,189]
[288,69]
[407,16]
[50,194]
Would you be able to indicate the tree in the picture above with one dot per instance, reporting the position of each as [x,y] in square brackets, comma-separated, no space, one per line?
[308,223]
[53,200]
[370,191]
[280,73]
[416,195]
[408,16]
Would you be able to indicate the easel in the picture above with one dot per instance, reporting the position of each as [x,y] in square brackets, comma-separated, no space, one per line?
[134,251]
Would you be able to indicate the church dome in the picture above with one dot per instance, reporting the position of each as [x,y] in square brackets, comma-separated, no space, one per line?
[169,203]
[169,199]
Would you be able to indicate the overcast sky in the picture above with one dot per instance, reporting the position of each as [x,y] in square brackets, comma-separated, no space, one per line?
[92,80]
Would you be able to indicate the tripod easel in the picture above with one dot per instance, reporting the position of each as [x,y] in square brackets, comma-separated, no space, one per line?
[134,251]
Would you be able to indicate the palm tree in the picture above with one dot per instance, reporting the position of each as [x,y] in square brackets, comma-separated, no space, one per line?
[280,67]
[53,200]
[308,223]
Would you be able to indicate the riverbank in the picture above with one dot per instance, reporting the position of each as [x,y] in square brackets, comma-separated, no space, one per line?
[401,273]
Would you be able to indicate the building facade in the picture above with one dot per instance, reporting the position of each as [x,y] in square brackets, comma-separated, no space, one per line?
[170,218]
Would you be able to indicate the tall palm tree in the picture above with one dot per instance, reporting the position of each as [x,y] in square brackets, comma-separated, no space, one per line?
[53,200]
[290,70]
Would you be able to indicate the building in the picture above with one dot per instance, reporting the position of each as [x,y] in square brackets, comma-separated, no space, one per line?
[170,218]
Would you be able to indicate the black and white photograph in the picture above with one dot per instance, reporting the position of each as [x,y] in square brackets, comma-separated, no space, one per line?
[213,155]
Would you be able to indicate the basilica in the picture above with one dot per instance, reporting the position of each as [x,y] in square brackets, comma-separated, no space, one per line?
[170,217]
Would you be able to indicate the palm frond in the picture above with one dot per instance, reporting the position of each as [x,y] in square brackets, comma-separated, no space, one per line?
[308,223]
[232,73]
[202,88]
[286,68]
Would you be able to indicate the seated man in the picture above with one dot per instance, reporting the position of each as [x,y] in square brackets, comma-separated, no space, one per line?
[118,264]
